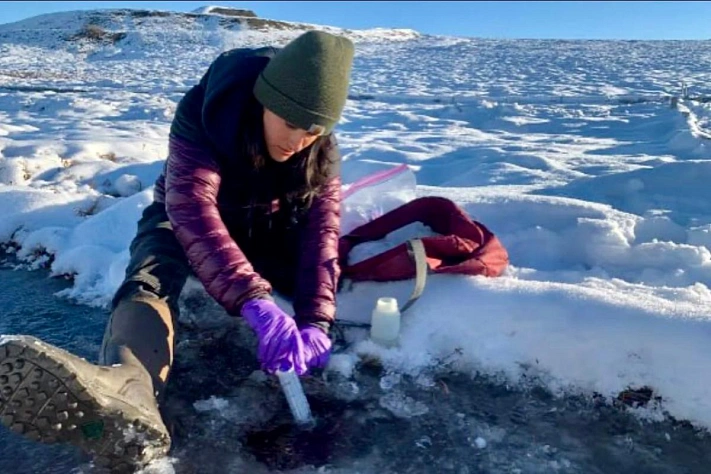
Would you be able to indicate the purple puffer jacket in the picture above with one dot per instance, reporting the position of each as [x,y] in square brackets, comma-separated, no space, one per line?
[190,187]
[213,197]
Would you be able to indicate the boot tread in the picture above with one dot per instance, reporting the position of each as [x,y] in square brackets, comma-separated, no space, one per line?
[41,399]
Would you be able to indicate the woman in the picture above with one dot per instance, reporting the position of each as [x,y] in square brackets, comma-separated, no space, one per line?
[249,202]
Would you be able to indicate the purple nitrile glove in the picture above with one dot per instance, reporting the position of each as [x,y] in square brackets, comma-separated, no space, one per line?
[280,344]
[317,347]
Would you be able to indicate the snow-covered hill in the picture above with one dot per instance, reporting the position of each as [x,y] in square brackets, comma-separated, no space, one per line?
[150,31]
[589,159]
[165,49]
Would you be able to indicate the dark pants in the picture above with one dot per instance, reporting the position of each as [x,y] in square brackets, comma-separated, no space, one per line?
[145,307]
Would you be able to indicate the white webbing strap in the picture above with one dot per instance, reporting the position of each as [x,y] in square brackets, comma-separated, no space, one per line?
[416,250]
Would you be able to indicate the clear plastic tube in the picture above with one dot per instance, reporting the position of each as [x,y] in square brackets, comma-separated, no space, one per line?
[295,396]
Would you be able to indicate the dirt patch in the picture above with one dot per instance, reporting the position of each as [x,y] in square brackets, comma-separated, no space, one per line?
[149,13]
[32,74]
[97,34]
[262,24]
[233,12]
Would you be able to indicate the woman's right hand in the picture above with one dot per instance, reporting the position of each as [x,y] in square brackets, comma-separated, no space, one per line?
[280,344]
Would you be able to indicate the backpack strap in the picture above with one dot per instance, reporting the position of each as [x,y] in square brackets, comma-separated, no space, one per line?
[416,249]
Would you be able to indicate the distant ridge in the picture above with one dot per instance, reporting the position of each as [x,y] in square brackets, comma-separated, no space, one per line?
[112,26]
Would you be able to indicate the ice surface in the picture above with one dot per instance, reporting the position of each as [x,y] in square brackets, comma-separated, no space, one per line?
[403,406]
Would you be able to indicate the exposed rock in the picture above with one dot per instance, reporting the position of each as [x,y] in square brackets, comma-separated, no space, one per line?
[232,12]
[96,33]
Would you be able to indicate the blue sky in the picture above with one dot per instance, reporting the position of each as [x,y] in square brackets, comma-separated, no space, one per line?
[563,20]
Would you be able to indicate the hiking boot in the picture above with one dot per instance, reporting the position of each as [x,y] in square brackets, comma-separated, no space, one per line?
[51,396]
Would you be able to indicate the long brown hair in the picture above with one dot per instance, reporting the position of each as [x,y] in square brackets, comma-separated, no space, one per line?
[309,169]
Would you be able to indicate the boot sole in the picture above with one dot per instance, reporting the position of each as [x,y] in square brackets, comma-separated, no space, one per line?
[44,400]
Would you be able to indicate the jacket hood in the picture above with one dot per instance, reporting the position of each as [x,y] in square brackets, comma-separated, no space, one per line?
[227,88]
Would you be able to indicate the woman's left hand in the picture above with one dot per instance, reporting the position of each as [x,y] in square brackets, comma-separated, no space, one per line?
[317,346]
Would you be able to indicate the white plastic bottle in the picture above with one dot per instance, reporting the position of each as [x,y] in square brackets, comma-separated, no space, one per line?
[385,322]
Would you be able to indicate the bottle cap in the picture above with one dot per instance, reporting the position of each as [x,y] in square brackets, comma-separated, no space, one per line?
[387,305]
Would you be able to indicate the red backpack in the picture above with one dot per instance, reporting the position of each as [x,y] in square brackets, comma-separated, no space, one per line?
[464,247]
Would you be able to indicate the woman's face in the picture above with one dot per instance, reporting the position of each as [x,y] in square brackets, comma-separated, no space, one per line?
[284,139]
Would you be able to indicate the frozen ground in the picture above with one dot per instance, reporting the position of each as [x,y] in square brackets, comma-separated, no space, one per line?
[227,417]
[572,152]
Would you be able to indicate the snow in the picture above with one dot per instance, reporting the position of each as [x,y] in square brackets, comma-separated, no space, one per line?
[209,9]
[570,151]
[4,339]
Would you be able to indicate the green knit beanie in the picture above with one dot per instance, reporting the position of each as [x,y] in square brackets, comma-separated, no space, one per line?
[306,82]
